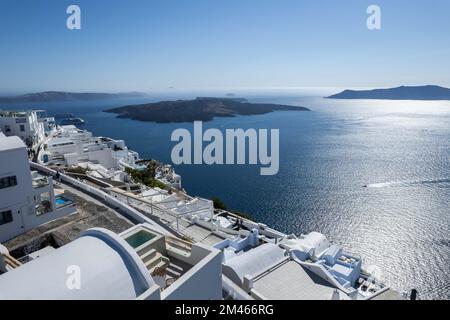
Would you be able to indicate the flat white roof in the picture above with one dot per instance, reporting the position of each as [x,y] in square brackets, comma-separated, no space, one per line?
[11,143]
[69,127]
[290,281]
[56,141]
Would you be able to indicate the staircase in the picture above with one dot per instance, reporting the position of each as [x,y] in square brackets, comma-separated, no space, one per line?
[155,260]
[174,271]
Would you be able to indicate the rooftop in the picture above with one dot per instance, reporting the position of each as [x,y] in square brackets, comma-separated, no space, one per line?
[290,281]
[90,213]
[150,204]
[18,113]
[11,143]
[304,268]
[139,263]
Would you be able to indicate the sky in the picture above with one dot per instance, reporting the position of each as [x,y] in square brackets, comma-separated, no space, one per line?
[145,45]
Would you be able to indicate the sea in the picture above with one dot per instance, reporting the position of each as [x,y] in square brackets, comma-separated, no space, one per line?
[372,175]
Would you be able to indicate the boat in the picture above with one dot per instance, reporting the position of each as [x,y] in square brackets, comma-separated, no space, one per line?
[74,121]
[64,115]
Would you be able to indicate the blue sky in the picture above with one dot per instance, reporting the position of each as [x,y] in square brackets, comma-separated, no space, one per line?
[153,44]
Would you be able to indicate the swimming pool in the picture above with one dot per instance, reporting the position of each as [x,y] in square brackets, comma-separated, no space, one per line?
[139,238]
[62,201]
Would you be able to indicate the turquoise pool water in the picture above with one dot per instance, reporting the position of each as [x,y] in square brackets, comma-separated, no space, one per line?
[139,238]
[61,201]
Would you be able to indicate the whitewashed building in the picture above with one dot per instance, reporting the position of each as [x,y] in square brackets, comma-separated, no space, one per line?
[102,156]
[27,199]
[49,123]
[308,267]
[27,125]
[167,175]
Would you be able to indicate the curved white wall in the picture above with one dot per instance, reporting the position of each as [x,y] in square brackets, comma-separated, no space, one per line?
[108,269]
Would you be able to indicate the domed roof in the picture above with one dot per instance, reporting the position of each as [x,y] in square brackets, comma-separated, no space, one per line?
[100,261]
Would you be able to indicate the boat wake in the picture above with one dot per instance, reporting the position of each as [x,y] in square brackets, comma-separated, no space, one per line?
[408,183]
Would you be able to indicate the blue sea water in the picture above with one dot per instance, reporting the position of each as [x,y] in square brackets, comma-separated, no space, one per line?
[374,176]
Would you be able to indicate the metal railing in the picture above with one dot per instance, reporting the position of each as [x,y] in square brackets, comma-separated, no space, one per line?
[176,222]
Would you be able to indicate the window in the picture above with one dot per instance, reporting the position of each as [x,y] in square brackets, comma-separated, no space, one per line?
[5,217]
[22,128]
[7,182]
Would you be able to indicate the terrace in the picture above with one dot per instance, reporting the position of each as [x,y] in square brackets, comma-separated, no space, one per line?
[175,264]
[187,222]
[167,259]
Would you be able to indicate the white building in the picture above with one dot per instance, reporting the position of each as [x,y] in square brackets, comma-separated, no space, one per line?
[304,268]
[27,125]
[138,264]
[48,123]
[27,199]
[167,175]
[103,156]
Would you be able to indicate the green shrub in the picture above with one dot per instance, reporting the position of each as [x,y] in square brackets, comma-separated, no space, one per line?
[145,177]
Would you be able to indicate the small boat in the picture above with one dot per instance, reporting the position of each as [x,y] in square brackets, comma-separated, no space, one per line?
[69,121]
[64,115]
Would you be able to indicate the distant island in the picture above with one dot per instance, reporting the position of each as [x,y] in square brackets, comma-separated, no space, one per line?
[52,96]
[399,93]
[201,109]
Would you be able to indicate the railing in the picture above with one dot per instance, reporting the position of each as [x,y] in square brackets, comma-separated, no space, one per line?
[176,222]
[156,211]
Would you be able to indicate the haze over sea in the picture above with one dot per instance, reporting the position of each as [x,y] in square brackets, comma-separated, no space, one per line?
[372,175]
